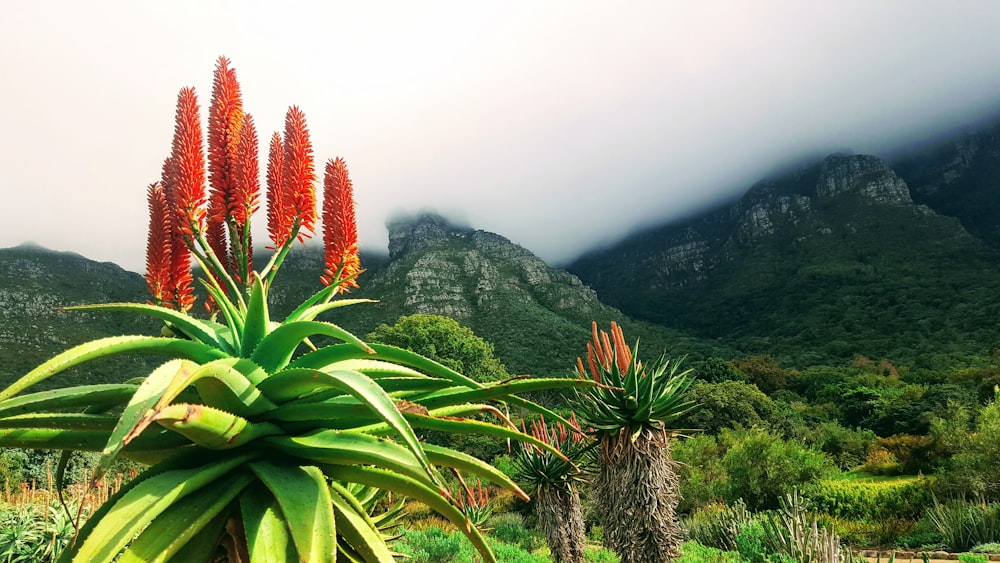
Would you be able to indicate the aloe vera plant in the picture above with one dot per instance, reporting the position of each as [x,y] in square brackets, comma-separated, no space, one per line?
[262,436]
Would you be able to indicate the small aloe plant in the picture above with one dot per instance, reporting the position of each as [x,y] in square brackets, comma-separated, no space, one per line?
[262,445]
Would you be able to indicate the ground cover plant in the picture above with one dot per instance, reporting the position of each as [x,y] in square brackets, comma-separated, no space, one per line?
[258,432]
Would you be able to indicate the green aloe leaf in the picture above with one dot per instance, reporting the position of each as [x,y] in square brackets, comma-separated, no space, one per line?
[65,421]
[234,317]
[178,321]
[182,521]
[435,499]
[336,447]
[202,545]
[497,391]
[268,538]
[85,440]
[317,298]
[328,355]
[228,384]
[212,428]
[104,347]
[139,411]
[365,390]
[141,504]
[276,350]
[358,530]
[100,397]
[469,464]
[304,498]
[257,320]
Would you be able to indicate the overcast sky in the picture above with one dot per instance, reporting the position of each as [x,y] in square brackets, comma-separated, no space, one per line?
[560,125]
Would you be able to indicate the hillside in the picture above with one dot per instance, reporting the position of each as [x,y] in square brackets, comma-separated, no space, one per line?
[832,260]
[34,283]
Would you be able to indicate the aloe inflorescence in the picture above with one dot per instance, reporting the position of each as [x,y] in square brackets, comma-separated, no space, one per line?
[262,446]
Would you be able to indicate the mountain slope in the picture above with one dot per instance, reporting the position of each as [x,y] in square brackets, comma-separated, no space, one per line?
[815,266]
[34,283]
[538,318]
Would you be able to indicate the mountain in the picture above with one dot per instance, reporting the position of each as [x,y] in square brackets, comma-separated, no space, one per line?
[34,284]
[538,318]
[834,259]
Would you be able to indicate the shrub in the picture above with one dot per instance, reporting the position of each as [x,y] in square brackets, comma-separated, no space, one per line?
[966,524]
[870,500]
[762,468]
[695,552]
[509,527]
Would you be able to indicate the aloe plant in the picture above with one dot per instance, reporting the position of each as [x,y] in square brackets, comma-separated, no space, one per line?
[553,482]
[631,414]
[260,433]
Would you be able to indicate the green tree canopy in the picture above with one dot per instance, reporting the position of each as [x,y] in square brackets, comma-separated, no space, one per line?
[446,341]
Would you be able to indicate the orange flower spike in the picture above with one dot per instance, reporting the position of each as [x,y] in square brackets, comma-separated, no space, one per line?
[225,119]
[279,212]
[609,352]
[180,294]
[340,227]
[188,158]
[158,263]
[597,346]
[299,172]
[246,196]
[592,364]
[623,355]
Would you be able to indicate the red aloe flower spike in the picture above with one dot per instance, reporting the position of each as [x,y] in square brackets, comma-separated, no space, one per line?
[181,293]
[622,352]
[609,351]
[225,118]
[245,197]
[215,234]
[591,362]
[279,209]
[299,172]
[597,346]
[188,159]
[158,263]
[340,227]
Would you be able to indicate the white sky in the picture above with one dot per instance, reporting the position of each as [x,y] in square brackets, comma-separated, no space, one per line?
[560,125]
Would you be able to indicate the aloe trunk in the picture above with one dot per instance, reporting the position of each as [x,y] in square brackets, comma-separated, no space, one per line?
[560,516]
[637,490]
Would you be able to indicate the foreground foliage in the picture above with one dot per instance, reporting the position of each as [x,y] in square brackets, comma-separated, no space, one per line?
[263,436]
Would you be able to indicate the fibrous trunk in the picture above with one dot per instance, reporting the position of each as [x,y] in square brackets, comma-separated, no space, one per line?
[637,492]
[561,517]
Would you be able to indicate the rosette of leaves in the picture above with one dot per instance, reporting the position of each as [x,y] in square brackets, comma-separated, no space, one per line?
[552,480]
[261,434]
[631,413]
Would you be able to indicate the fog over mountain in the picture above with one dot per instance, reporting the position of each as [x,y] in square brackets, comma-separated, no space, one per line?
[562,125]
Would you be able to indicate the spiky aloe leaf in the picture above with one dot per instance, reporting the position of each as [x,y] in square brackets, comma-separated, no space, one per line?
[138,413]
[178,321]
[358,530]
[268,537]
[436,499]
[100,397]
[304,499]
[104,347]
[469,464]
[202,545]
[329,355]
[212,428]
[276,350]
[85,440]
[496,391]
[257,322]
[61,421]
[229,384]
[365,390]
[141,504]
[182,521]
[335,447]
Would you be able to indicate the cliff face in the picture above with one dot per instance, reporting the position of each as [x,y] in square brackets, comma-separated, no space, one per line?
[456,272]
[828,241]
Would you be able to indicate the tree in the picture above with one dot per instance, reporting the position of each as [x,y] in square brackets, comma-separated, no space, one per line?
[729,404]
[632,416]
[445,340]
[762,371]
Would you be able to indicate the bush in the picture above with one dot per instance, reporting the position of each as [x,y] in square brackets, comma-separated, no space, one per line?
[872,500]
[966,524]
[509,527]
[694,552]
[762,468]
